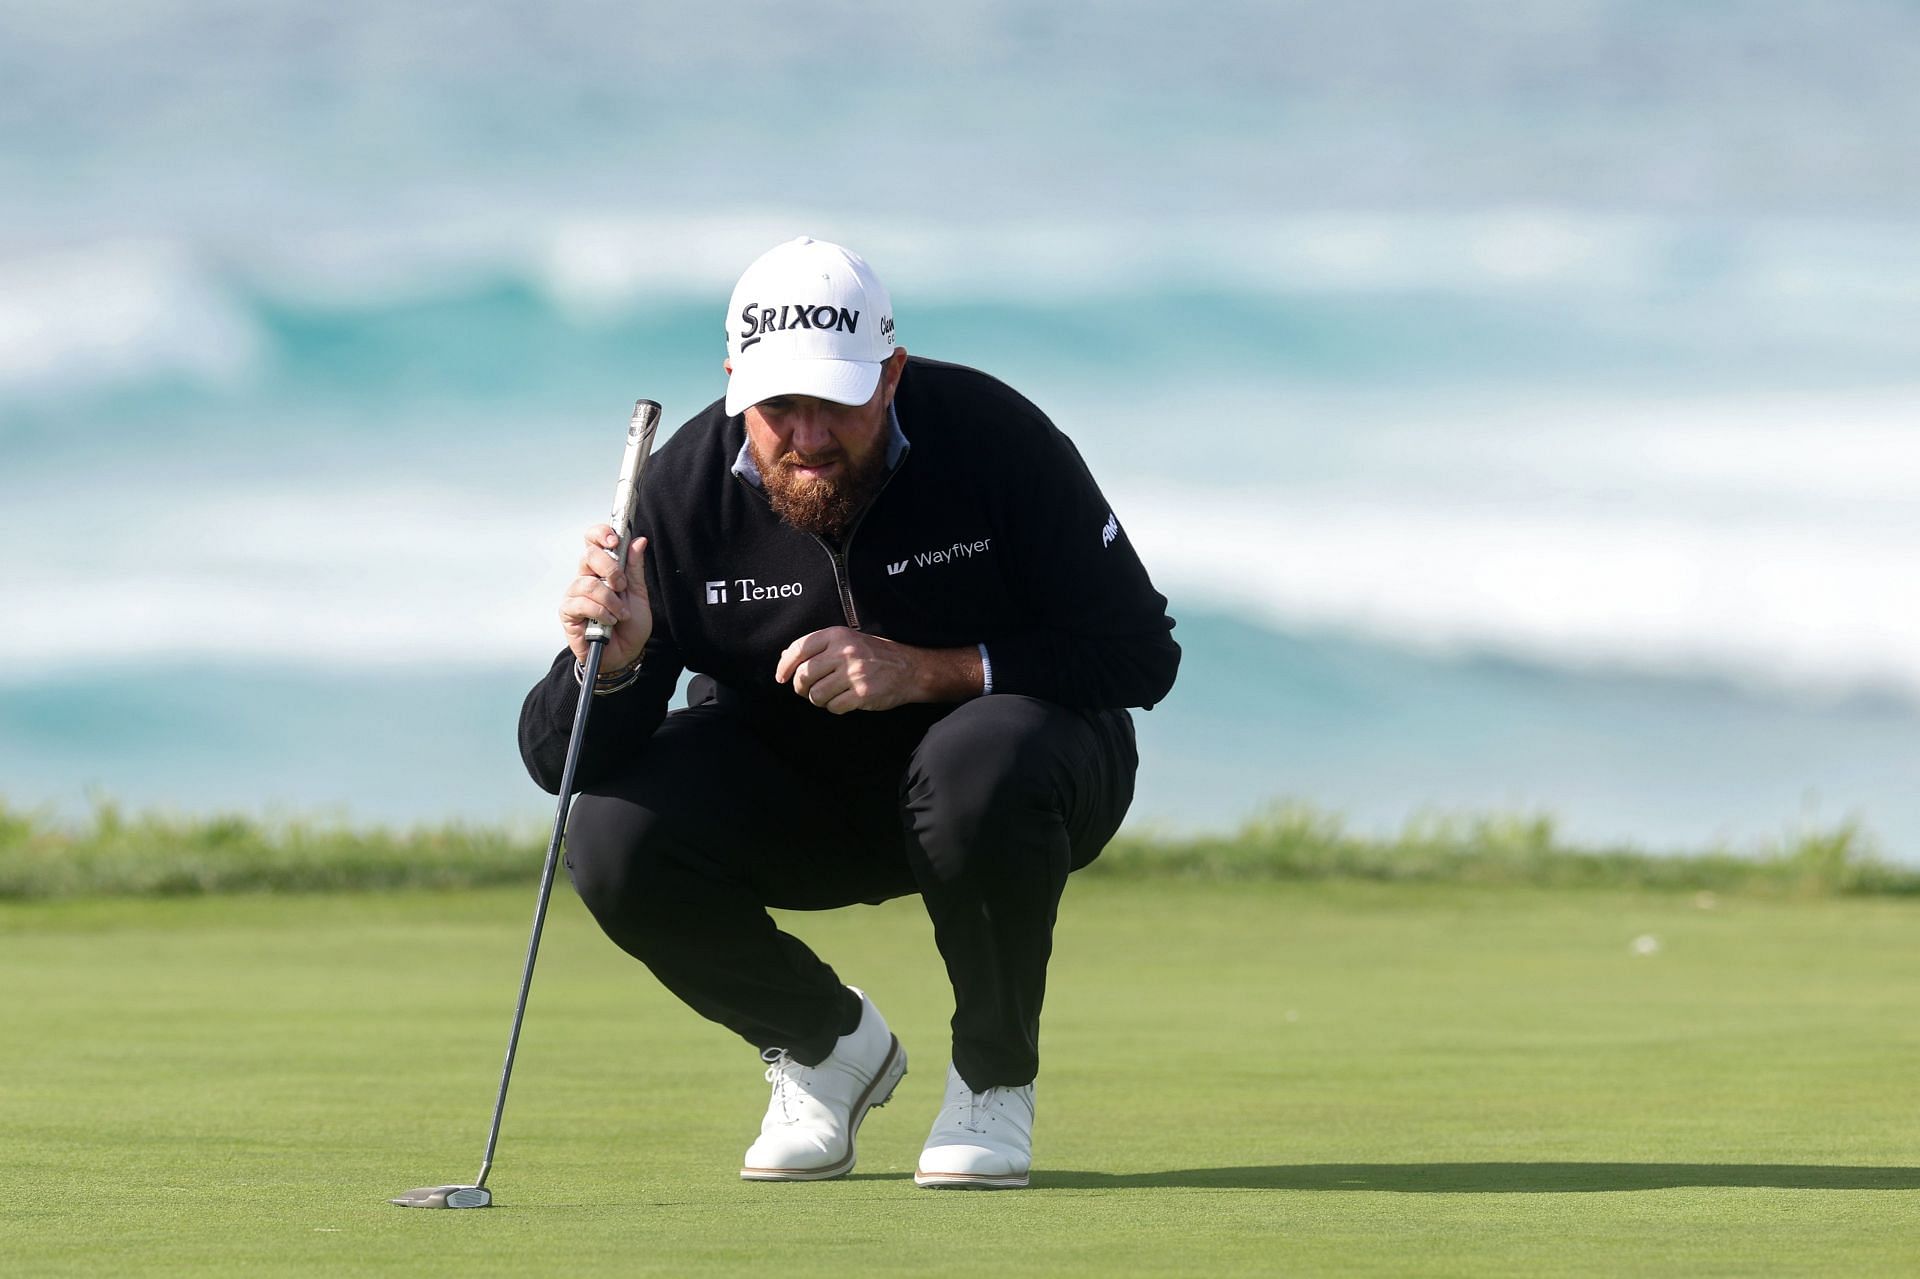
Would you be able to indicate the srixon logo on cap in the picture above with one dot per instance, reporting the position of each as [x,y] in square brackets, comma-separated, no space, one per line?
[757,321]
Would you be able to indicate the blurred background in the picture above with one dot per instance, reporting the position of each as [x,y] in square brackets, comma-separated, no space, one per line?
[1517,402]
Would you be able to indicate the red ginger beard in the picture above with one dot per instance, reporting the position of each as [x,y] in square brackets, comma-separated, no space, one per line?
[824,507]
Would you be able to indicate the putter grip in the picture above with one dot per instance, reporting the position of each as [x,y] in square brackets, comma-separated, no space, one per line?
[626,494]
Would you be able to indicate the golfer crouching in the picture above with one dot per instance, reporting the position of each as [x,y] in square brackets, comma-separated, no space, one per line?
[915,625]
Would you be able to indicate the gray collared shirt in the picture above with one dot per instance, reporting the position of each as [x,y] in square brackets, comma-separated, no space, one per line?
[747,469]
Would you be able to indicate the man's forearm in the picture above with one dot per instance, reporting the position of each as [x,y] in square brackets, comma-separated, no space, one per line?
[1093,671]
[948,674]
[622,721]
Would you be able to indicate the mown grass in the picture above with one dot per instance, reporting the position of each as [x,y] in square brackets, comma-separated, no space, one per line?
[153,854]
[1340,1078]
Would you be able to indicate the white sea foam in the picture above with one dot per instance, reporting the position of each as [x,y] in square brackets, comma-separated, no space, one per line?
[360,577]
[1764,538]
[123,310]
[116,312]
[1609,536]
[1820,610]
[613,261]
[1768,536]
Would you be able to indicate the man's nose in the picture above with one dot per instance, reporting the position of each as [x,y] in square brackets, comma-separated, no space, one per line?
[809,430]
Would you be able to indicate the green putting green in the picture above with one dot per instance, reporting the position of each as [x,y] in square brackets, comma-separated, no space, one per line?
[1254,1078]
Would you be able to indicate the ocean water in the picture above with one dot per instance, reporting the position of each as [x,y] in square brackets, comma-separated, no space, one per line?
[1532,427]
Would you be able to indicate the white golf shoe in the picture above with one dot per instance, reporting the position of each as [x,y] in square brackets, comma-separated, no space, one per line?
[815,1111]
[981,1140]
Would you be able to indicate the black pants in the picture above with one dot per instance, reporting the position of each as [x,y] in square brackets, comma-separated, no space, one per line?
[679,856]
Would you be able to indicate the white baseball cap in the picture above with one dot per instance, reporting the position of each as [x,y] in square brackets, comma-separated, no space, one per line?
[807,318]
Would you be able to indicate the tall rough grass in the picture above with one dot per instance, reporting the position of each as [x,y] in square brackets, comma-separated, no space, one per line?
[152,854]
[162,855]
[1298,842]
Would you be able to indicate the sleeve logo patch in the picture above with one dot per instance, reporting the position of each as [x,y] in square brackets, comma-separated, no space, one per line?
[1109,530]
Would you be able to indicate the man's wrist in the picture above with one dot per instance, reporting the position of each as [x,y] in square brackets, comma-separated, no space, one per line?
[608,681]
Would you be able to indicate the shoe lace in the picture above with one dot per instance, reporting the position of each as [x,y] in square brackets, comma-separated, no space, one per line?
[782,1071]
[978,1108]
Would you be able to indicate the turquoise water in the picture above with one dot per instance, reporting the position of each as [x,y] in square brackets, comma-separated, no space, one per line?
[1529,426]
[1368,731]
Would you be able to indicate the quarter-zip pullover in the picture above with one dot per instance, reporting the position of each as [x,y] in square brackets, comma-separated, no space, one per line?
[989,530]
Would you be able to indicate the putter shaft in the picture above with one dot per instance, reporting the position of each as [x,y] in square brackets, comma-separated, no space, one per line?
[594,649]
[640,432]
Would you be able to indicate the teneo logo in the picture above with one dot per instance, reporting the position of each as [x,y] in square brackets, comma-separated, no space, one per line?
[749,588]
[1109,530]
[757,321]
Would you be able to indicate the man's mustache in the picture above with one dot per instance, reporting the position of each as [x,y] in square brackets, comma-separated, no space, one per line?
[792,458]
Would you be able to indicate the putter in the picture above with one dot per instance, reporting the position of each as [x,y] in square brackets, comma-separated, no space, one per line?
[626,497]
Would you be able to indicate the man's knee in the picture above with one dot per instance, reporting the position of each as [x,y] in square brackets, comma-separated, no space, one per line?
[1006,773]
[994,763]
[620,857]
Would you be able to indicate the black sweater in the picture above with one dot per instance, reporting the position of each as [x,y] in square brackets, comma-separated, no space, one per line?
[989,531]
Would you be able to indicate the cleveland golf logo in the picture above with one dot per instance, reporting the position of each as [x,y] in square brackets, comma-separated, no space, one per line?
[749,589]
[757,321]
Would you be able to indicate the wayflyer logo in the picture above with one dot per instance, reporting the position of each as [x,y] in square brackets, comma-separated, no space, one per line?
[930,559]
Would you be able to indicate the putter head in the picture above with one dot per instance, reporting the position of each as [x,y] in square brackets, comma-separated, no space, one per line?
[445,1197]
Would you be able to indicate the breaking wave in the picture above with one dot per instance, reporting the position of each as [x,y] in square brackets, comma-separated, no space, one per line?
[121,314]
[1766,540]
